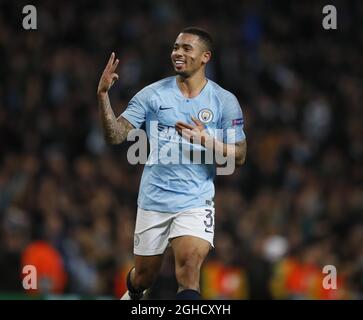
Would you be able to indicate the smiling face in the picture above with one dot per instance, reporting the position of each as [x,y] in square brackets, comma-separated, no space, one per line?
[189,55]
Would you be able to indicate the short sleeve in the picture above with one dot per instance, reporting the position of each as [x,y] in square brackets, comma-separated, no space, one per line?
[137,108]
[232,121]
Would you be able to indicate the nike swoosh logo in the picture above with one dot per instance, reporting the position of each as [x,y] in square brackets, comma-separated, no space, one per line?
[164,108]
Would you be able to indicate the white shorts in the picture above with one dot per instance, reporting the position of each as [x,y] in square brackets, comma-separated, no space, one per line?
[154,230]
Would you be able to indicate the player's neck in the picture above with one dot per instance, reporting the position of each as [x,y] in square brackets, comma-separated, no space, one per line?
[192,86]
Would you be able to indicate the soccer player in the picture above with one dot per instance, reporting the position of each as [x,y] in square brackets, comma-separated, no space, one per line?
[175,202]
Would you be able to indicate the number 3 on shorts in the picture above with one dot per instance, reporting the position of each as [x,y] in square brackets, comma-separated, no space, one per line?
[209,222]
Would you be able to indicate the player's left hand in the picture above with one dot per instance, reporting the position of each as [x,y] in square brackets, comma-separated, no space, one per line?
[194,134]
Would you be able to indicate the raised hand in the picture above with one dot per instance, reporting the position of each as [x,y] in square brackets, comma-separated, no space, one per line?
[108,76]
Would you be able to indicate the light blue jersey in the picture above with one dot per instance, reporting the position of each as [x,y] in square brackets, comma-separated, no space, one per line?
[176,186]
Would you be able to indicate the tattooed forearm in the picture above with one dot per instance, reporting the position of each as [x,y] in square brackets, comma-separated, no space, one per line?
[115,129]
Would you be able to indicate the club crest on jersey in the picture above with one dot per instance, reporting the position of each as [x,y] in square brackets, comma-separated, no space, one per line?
[205,115]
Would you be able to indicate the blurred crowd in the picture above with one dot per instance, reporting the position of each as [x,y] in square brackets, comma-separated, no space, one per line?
[68,201]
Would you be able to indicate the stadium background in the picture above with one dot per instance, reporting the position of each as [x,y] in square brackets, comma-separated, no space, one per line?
[68,201]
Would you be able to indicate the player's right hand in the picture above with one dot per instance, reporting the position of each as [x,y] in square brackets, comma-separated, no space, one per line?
[108,76]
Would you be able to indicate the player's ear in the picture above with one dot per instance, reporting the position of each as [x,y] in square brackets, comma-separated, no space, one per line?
[206,56]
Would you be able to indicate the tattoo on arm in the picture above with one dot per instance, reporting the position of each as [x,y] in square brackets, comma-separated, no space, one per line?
[115,129]
[126,127]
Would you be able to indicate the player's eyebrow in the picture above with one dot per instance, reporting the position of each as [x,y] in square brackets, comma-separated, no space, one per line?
[184,45]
